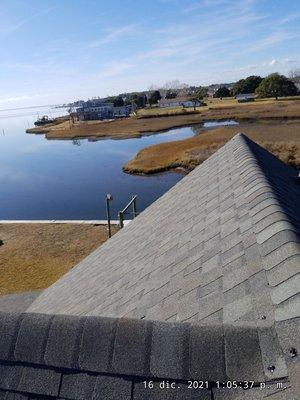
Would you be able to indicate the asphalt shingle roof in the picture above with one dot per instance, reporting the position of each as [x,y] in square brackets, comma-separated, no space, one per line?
[222,245]
[75,357]
[217,257]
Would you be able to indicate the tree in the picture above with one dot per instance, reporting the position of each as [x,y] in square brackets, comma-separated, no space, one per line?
[295,75]
[140,101]
[275,85]
[201,93]
[154,97]
[171,94]
[223,91]
[118,101]
[247,85]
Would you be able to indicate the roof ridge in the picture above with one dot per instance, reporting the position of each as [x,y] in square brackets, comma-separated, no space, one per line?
[175,350]
[259,181]
[275,215]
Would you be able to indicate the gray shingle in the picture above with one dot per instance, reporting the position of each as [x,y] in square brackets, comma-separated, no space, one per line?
[207,358]
[61,348]
[214,286]
[242,354]
[286,289]
[284,270]
[9,376]
[237,293]
[31,339]
[239,275]
[169,350]
[272,355]
[77,386]
[235,310]
[8,330]
[39,381]
[271,230]
[112,388]
[15,396]
[130,354]
[288,309]
[289,337]
[281,254]
[277,241]
[97,344]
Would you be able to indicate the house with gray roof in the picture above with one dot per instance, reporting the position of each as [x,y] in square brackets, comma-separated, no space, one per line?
[196,298]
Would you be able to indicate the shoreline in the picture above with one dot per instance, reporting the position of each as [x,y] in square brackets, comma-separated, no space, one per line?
[282,139]
[273,124]
[155,120]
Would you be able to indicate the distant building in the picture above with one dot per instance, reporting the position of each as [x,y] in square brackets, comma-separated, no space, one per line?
[179,102]
[122,111]
[245,98]
[98,111]
[211,89]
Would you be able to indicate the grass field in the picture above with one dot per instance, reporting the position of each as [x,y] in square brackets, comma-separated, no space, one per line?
[155,119]
[35,255]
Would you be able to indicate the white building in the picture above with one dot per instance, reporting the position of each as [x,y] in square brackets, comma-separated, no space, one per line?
[179,102]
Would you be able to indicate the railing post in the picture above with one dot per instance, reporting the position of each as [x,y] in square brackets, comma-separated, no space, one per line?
[134,206]
[121,219]
[108,199]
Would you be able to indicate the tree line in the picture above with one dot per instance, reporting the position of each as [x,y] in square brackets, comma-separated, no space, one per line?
[274,85]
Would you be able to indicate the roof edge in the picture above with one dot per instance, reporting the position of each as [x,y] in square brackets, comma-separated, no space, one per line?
[140,348]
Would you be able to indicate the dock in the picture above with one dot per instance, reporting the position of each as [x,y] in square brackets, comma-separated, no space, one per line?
[58,221]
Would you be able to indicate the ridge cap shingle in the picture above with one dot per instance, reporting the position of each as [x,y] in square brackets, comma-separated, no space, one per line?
[142,348]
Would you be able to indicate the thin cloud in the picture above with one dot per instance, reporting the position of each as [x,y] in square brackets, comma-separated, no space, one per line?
[113,69]
[205,4]
[289,18]
[14,98]
[272,40]
[16,26]
[276,62]
[124,31]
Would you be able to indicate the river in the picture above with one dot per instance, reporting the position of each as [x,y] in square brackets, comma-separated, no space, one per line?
[65,179]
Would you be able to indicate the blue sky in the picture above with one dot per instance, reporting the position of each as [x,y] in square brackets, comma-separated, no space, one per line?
[54,51]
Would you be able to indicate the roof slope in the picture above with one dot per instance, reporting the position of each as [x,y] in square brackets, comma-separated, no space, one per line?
[94,358]
[221,250]
[221,245]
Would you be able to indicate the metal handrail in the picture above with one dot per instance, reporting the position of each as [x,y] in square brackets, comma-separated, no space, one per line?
[134,210]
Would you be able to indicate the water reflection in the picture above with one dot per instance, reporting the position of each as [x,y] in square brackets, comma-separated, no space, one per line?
[214,124]
[68,179]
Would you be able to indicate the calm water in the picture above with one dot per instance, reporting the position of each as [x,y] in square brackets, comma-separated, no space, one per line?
[215,124]
[55,179]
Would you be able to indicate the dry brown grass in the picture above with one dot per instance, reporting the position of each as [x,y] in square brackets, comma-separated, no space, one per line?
[35,255]
[167,119]
[282,139]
